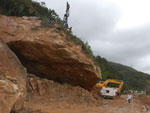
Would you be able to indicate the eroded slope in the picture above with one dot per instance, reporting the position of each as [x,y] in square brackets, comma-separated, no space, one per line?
[48,54]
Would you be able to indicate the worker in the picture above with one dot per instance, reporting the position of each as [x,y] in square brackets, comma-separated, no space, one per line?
[70,29]
[129,98]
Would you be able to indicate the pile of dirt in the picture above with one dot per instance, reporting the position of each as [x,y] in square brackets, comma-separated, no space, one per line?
[144,99]
[119,105]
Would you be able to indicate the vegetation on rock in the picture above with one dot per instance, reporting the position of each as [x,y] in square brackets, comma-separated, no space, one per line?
[28,8]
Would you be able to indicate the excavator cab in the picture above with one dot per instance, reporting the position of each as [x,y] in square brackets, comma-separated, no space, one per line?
[108,91]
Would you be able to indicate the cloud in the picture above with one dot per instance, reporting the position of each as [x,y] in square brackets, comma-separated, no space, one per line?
[130,47]
[91,18]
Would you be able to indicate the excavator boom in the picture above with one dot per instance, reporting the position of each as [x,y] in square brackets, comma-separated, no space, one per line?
[109,91]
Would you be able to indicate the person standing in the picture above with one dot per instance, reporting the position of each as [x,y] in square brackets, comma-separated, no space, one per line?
[129,98]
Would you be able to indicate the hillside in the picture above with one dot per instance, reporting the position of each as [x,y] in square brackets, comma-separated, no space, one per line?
[133,79]
[47,53]
[44,68]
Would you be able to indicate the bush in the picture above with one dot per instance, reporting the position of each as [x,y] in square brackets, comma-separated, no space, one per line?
[15,7]
[29,8]
[88,50]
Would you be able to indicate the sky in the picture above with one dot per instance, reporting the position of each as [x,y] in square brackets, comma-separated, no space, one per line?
[118,30]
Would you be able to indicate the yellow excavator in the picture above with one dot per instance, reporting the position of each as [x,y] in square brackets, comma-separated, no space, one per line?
[110,91]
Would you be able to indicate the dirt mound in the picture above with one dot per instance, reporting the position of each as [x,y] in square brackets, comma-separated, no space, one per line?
[44,96]
[144,99]
[119,105]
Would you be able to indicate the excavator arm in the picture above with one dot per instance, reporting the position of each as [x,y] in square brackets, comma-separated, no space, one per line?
[105,83]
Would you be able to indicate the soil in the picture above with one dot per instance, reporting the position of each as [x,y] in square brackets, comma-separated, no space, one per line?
[117,105]
[48,96]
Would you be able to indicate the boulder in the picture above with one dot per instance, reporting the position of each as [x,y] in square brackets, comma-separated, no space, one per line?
[47,53]
[12,80]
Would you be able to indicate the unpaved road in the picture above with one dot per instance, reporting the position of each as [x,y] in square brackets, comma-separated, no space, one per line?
[118,105]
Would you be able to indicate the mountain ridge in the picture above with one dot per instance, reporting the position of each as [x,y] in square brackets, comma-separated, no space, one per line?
[133,79]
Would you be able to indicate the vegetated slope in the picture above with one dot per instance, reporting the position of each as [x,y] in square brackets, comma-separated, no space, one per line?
[133,79]
[25,8]
[29,8]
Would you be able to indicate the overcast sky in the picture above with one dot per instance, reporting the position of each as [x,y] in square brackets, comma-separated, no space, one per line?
[118,30]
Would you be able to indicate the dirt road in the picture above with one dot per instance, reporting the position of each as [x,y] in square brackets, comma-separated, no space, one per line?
[118,105]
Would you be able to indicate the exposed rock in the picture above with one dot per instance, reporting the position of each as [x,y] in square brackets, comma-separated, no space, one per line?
[31,18]
[144,108]
[30,111]
[48,91]
[12,80]
[48,54]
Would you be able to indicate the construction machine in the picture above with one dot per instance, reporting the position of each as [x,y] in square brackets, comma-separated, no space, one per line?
[108,91]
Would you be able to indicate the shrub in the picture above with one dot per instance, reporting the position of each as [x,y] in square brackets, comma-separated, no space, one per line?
[15,7]
[29,8]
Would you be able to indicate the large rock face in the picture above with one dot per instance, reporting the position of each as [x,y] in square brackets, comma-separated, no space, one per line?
[12,80]
[46,52]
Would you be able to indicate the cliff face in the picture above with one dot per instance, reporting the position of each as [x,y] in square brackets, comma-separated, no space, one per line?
[46,53]
[12,80]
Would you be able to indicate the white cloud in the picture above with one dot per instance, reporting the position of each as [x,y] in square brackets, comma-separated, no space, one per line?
[135,13]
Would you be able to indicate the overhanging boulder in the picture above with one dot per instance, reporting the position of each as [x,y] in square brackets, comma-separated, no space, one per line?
[47,53]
